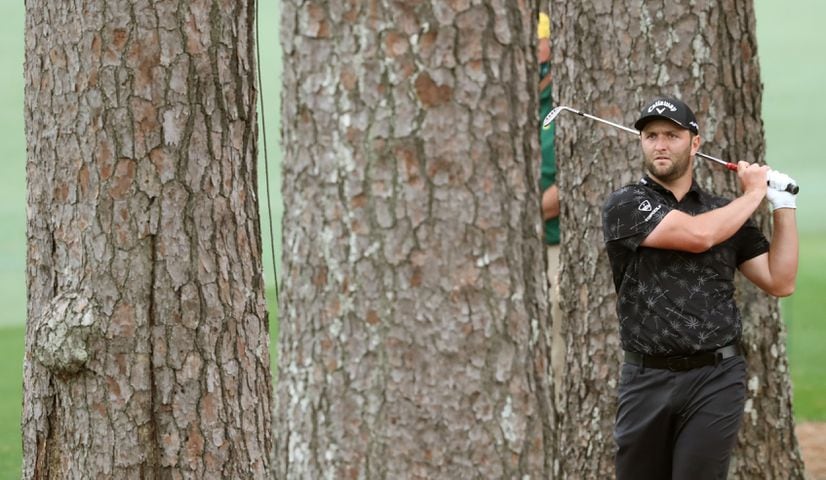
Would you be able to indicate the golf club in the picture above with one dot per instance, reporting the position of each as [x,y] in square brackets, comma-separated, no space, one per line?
[791,187]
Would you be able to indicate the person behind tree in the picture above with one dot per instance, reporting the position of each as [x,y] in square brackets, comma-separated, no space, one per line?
[550,192]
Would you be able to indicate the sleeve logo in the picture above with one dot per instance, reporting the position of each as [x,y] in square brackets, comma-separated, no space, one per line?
[645,206]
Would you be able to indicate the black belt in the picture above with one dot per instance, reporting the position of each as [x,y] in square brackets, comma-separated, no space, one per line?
[687,362]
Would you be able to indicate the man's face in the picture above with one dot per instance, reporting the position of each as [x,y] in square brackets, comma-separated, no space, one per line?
[668,149]
[543,50]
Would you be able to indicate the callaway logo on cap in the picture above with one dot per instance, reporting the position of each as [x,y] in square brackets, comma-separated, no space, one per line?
[660,106]
[671,109]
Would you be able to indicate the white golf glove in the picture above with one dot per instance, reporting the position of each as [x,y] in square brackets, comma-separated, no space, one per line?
[777,194]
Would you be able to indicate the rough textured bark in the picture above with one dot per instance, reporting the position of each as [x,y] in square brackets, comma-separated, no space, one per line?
[147,347]
[413,324]
[611,56]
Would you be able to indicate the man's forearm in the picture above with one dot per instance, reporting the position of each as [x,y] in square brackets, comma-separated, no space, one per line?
[681,231]
[722,223]
[543,84]
[784,250]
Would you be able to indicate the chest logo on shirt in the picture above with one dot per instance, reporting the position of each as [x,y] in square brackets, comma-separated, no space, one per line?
[645,206]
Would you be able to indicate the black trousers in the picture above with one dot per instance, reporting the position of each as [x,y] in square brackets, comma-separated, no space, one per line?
[679,425]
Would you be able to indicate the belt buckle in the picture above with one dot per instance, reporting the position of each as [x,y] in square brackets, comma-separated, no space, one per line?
[678,364]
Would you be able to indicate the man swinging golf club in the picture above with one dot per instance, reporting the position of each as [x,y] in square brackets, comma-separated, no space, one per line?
[673,250]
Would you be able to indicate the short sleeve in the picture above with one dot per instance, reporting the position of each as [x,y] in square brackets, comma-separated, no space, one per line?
[630,214]
[749,242]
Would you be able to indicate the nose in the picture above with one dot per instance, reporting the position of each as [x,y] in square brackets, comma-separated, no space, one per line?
[660,143]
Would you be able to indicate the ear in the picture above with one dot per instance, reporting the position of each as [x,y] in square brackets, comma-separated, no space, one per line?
[695,144]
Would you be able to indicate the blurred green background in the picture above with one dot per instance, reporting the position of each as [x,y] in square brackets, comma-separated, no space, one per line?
[791,43]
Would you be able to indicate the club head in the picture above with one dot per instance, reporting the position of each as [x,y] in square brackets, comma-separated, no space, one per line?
[551,116]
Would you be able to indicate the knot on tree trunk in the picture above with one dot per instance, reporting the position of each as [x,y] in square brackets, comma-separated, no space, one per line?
[63,333]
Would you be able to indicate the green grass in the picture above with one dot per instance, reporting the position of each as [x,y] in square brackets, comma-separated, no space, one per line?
[804,316]
[11,399]
[271,307]
[12,166]
[789,40]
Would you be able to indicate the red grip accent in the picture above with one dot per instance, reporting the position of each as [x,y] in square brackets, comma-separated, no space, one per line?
[731,166]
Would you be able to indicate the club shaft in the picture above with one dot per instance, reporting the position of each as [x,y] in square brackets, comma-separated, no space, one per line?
[602,120]
[792,188]
[637,132]
[729,165]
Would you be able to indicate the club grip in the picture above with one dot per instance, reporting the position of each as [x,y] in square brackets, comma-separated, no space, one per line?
[792,188]
[783,180]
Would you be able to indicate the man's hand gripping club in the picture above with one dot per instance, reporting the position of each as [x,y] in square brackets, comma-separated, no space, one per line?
[771,183]
[777,193]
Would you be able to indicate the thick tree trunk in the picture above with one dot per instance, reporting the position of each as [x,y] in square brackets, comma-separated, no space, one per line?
[413,322]
[147,347]
[611,56]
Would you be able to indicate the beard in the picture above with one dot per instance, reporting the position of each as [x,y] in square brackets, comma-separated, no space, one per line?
[676,169]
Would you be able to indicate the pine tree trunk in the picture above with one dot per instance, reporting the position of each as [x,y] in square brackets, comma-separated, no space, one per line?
[147,348]
[611,56]
[413,323]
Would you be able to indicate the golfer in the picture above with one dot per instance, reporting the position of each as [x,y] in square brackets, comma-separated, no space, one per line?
[674,249]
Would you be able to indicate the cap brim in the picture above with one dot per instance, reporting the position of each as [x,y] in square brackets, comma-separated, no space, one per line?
[643,121]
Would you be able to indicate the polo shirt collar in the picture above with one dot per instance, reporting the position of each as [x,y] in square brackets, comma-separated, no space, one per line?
[648,182]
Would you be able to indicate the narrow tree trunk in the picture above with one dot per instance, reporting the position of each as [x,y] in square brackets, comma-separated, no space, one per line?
[611,56]
[413,322]
[147,348]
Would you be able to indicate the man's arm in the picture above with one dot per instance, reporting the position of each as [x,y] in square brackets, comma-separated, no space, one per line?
[775,272]
[550,202]
[697,233]
[546,80]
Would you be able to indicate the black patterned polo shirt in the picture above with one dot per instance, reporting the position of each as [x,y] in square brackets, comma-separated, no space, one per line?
[671,302]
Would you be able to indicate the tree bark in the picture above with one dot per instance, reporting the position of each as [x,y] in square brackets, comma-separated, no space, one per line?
[413,325]
[147,347]
[610,57]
